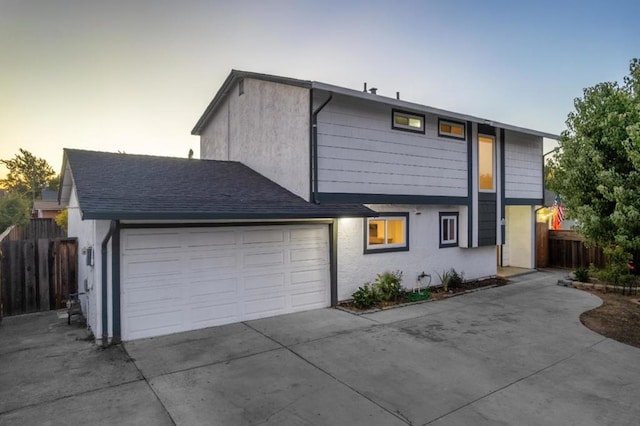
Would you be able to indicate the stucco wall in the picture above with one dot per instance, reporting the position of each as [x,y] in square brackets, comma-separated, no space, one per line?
[266,128]
[89,234]
[356,268]
[360,152]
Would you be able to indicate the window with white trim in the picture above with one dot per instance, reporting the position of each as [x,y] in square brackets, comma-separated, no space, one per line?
[402,120]
[448,229]
[451,129]
[387,232]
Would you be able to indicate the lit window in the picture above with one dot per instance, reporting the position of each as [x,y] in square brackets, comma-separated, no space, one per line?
[486,163]
[449,229]
[408,121]
[451,129]
[387,233]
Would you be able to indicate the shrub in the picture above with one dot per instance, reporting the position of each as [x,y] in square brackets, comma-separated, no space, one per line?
[617,260]
[451,279]
[389,285]
[365,297]
[582,275]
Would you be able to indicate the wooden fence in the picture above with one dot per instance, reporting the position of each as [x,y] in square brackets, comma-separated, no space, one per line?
[566,249]
[36,273]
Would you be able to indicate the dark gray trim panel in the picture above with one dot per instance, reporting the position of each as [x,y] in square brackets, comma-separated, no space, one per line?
[470,188]
[346,198]
[487,223]
[115,286]
[502,190]
[524,201]
[104,215]
[365,232]
[333,261]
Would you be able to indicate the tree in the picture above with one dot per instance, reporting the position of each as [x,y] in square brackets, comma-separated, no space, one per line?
[14,210]
[27,174]
[597,168]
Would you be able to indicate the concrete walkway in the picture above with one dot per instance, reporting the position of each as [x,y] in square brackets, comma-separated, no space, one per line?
[508,355]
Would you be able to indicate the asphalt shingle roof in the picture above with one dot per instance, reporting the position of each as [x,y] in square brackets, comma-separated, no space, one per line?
[125,186]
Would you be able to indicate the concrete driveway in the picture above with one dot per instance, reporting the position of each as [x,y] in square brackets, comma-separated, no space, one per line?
[509,355]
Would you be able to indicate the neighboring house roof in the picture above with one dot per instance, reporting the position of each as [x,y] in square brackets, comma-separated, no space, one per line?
[140,187]
[49,195]
[46,205]
[237,75]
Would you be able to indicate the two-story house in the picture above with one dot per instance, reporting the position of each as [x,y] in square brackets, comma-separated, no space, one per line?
[304,192]
[451,190]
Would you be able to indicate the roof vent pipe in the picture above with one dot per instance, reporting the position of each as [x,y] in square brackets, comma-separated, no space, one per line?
[374,90]
[365,87]
[398,95]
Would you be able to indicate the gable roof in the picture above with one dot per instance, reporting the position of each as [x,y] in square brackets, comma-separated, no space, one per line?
[237,75]
[139,187]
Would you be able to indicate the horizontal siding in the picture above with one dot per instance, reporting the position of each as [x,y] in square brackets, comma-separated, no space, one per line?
[523,165]
[359,152]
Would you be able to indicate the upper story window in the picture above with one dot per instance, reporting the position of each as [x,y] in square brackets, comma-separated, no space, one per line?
[451,129]
[387,233]
[448,229]
[486,163]
[408,121]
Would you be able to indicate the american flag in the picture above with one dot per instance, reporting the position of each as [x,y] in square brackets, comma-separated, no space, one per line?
[558,213]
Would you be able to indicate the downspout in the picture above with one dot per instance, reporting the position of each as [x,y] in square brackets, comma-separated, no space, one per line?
[105,318]
[314,147]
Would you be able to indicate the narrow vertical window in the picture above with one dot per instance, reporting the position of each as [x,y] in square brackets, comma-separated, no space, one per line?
[448,229]
[486,163]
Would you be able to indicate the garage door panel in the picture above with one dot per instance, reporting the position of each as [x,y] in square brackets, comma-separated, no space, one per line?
[263,259]
[308,277]
[148,240]
[154,324]
[215,314]
[213,238]
[213,262]
[259,308]
[307,300]
[149,266]
[220,275]
[265,283]
[263,236]
[213,289]
[307,255]
[306,235]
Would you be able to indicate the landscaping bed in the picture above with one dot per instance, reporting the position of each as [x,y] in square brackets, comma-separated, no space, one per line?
[618,317]
[431,293]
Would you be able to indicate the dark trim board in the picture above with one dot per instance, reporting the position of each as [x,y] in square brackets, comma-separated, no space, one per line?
[346,198]
[333,261]
[220,225]
[470,187]
[524,201]
[503,227]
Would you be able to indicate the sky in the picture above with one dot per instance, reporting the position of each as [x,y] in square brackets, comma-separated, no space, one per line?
[136,75]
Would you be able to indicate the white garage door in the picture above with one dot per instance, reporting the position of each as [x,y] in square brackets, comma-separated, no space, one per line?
[183,279]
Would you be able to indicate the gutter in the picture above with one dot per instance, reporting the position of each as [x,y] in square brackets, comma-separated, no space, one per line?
[113,228]
[314,147]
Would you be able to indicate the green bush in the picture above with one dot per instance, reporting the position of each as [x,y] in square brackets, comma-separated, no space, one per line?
[616,261]
[451,279]
[389,285]
[365,297]
[582,275]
